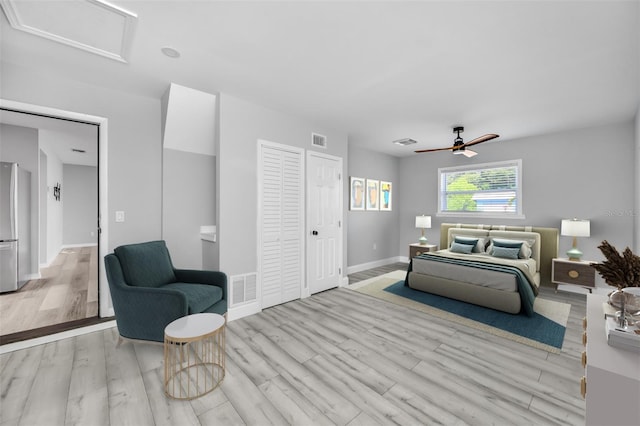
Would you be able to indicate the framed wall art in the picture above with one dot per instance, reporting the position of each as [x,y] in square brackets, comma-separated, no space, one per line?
[373,194]
[386,193]
[356,198]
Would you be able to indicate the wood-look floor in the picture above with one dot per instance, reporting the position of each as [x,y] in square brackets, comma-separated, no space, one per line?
[67,291]
[336,358]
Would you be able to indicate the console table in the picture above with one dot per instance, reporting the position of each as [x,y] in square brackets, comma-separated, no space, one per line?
[611,385]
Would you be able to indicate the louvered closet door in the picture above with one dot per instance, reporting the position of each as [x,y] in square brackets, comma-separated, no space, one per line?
[281,220]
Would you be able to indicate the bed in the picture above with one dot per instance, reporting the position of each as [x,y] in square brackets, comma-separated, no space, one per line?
[505,278]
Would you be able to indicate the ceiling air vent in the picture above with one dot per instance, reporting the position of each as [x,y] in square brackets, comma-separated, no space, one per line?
[405,142]
[318,140]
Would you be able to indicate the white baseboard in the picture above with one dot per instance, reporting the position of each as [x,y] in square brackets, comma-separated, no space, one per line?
[370,265]
[91,244]
[344,282]
[242,311]
[34,276]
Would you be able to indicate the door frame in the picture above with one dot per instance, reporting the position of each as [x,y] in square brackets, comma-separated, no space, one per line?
[105,305]
[308,241]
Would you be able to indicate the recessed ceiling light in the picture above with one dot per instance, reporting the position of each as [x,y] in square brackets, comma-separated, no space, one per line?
[405,142]
[170,52]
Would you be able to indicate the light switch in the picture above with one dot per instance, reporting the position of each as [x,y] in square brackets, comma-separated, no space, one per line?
[119,216]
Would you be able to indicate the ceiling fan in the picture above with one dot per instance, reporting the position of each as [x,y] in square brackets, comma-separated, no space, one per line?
[459,147]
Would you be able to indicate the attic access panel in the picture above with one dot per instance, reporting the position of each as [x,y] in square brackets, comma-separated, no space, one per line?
[92,25]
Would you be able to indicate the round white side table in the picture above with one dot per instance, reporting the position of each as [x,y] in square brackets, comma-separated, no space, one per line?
[194,355]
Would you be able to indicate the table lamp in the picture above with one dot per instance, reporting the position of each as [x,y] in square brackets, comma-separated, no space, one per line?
[575,228]
[423,222]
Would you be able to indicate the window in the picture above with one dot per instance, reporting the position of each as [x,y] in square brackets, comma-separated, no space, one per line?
[481,190]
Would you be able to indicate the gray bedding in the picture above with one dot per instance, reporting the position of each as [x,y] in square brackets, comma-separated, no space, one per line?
[485,278]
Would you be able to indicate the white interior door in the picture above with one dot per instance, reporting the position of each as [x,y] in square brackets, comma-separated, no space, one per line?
[324,221]
[281,246]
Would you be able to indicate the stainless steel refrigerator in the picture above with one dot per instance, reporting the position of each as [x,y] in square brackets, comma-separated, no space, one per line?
[15,226]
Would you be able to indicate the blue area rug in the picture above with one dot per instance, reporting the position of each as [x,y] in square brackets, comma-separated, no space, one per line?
[538,328]
[545,330]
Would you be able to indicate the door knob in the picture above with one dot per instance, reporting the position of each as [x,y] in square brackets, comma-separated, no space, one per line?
[314,232]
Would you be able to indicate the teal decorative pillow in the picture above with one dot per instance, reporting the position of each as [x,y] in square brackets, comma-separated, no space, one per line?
[461,248]
[476,243]
[505,252]
[523,246]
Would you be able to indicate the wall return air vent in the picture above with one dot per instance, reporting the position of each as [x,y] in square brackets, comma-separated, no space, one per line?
[243,288]
[319,141]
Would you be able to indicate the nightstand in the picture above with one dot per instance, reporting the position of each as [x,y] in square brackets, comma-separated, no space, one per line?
[417,249]
[573,272]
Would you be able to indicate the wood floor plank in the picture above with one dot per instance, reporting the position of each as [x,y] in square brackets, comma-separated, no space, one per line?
[16,382]
[88,388]
[344,360]
[247,400]
[290,400]
[325,398]
[420,407]
[128,400]
[166,411]
[292,412]
[358,393]
[47,400]
[254,366]
[223,414]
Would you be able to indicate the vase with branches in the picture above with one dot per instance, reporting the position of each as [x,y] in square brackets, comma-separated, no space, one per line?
[621,271]
[618,270]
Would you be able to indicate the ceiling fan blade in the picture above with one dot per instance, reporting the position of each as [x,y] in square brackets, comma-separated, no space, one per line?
[481,139]
[434,149]
[468,153]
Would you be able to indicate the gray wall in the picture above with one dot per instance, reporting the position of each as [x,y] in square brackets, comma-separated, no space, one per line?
[20,145]
[44,208]
[134,151]
[242,123]
[54,211]
[79,195]
[636,211]
[188,203]
[584,173]
[369,228]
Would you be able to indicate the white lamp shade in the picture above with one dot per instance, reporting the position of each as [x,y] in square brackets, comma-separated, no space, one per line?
[575,228]
[423,221]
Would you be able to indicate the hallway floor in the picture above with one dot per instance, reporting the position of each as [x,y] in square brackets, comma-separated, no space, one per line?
[67,291]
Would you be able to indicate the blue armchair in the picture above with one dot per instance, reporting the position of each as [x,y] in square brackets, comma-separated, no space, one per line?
[148,292]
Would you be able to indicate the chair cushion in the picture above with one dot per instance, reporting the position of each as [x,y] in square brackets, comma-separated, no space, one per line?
[199,296]
[146,264]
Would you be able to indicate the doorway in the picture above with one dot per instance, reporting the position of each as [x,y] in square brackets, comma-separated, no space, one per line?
[324,221]
[66,289]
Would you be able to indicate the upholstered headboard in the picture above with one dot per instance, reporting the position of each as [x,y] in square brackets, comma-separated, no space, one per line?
[548,243]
